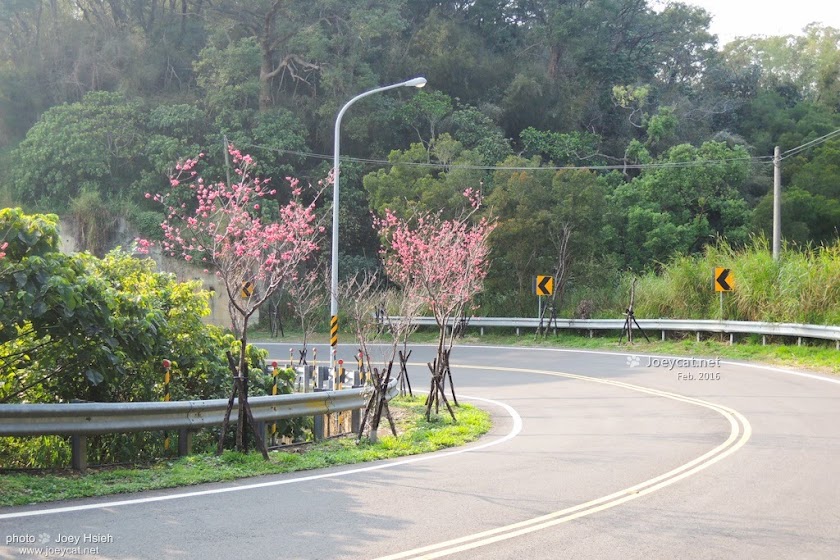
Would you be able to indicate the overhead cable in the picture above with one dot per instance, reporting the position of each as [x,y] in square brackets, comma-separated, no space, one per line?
[448,167]
[811,144]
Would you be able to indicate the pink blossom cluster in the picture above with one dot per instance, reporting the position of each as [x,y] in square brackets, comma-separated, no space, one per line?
[3,248]
[223,227]
[444,260]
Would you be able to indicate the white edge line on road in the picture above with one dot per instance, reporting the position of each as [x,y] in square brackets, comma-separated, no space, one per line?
[514,431]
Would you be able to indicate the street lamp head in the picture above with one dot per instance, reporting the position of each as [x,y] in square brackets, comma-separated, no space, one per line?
[416,82]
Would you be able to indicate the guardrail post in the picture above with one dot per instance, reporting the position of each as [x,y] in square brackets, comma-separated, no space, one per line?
[799,341]
[764,340]
[78,447]
[731,337]
[318,423]
[307,378]
[326,379]
[185,442]
[698,336]
[663,336]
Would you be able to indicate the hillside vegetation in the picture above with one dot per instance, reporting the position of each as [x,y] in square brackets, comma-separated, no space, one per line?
[608,137]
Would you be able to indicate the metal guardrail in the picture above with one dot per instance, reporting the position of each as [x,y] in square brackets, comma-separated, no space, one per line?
[101,418]
[84,419]
[821,332]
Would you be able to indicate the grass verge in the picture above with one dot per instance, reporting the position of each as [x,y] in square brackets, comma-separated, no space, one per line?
[820,357]
[416,435]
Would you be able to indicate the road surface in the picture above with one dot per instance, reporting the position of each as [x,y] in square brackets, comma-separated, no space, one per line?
[592,455]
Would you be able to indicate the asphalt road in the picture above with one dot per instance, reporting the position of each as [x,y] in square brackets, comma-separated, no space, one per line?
[592,455]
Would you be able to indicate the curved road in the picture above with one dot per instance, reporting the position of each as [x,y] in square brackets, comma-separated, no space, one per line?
[592,455]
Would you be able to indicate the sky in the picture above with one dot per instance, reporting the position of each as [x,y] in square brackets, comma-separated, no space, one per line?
[734,18]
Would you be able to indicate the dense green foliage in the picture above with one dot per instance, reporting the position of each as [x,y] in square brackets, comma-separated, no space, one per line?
[98,99]
[77,327]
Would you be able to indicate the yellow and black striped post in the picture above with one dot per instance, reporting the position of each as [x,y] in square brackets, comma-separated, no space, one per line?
[274,392]
[167,365]
[333,338]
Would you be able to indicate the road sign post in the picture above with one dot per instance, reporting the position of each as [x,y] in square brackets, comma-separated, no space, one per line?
[543,286]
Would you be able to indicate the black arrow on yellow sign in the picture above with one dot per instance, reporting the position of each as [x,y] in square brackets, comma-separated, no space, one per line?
[723,281]
[545,285]
[247,290]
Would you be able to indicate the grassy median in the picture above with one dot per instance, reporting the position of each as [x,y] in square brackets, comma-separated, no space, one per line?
[415,435]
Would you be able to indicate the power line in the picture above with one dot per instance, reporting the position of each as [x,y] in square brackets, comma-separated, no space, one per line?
[811,144]
[619,167]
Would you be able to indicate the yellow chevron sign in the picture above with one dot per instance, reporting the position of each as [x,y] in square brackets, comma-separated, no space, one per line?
[545,285]
[247,290]
[724,280]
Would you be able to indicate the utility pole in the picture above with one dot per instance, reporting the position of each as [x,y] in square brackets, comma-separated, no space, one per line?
[777,203]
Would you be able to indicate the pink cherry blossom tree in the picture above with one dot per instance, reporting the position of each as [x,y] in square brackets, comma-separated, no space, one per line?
[307,299]
[445,263]
[222,227]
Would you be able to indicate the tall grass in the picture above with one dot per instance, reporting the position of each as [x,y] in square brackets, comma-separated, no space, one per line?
[803,286]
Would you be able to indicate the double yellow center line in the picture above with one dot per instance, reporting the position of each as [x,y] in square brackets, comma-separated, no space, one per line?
[740,432]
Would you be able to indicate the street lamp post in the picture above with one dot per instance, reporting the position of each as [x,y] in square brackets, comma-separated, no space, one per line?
[416,82]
